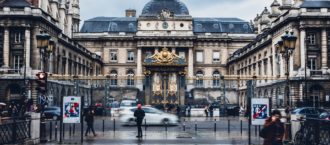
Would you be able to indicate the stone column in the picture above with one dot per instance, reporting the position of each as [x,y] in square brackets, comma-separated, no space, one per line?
[324,51]
[190,69]
[27,47]
[67,64]
[302,48]
[139,72]
[6,48]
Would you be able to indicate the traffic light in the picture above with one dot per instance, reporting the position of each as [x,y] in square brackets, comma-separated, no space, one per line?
[42,82]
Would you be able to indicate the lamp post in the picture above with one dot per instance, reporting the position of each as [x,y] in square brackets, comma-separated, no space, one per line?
[286,47]
[224,96]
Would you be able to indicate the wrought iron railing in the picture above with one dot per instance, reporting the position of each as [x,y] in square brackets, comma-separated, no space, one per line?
[313,132]
[15,131]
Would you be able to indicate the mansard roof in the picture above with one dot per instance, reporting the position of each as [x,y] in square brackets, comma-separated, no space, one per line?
[221,25]
[200,25]
[15,3]
[155,7]
[316,4]
[110,24]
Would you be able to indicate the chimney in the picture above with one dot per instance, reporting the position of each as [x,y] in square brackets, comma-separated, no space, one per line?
[130,13]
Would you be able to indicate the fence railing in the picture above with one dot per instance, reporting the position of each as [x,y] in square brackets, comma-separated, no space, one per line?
[15,131]
[313,132]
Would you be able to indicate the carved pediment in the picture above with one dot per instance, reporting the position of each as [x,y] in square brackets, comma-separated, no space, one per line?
[165,57]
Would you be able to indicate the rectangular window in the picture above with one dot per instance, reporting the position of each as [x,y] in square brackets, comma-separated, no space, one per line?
[216,56]
[311,39]
[311,64]
[113,55]
[18,62]
[17,37]
[182,55]
[130,56]
[199,56]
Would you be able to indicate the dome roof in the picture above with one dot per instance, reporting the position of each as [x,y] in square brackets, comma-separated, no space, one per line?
[155,7]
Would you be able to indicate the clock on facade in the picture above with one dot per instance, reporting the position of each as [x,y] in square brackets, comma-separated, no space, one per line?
[165,25]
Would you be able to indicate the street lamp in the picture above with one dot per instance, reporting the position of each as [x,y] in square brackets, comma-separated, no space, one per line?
[224,96]
[286,47]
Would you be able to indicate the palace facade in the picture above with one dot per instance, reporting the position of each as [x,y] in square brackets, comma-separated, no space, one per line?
[165,55]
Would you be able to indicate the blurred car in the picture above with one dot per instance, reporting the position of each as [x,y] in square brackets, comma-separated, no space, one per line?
[128,103]
[52,113]
[325,116]
[153,116]
[308,112]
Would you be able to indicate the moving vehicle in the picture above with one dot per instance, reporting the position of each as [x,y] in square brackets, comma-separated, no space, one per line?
[128,103]
[308,112]
[53,113]
[325,116]
[153,116]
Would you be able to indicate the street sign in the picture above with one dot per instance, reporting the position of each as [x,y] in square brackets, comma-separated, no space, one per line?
[259,110]
[72,109]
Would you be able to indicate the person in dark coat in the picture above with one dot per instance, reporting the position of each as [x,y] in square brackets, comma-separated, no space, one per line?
[274,129]
[89,118]
[139,115]
[211,110]
[178,110]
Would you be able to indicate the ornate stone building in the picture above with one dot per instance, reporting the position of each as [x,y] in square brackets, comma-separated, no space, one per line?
[20,24]
[165,55]
[308,65]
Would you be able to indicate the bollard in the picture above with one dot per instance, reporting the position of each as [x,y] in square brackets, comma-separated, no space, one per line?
[103,125]
[258,129]
[215,125]
[255,130]
[166,126]
[229,126]
[70,130]
[195,126]
[63,131]
[50,130]
[241,127]
[145,125]
[114,124]
[74,129]
[184,125]
[55,130]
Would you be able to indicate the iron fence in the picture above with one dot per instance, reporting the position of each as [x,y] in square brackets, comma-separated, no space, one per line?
[15,131]
[313,132]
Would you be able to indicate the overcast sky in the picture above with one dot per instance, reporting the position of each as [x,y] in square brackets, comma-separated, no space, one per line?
[244,9]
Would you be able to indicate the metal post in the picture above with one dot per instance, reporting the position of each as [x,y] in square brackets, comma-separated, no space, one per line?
[63,131]
[50,130]
[228,126]
[184,124]
[70,130]
[74,129]
[255,130]
[195,126]
[82,121]
[215,125]
[241,127]
[103,125]
[55,130]
[114,125]
[145,125]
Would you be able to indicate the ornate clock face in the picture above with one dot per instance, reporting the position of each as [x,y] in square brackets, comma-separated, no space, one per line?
[165,25]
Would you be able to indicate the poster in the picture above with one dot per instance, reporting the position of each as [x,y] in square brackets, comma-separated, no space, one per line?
[71,109]
[259,110]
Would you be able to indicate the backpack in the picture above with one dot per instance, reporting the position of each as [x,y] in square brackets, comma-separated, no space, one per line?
[263,132]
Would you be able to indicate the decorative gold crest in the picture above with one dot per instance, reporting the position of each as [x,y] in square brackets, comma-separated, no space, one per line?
[164,57]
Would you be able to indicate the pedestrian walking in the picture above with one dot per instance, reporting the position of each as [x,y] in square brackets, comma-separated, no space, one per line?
[139,115]
[89,118]
[206,111]
[211,110]
[178,110]
[189,110]
[273,130]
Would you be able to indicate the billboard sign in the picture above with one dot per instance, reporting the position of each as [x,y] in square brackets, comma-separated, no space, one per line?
[259,110]
[71,109]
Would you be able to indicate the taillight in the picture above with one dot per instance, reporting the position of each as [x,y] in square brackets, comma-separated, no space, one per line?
[328,118]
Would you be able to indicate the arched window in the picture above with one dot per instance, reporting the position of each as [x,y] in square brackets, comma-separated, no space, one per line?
[113,78]
[130,78]
[216,79]
[199,79]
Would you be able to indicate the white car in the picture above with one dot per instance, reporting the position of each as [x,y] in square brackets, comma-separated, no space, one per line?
[153,116]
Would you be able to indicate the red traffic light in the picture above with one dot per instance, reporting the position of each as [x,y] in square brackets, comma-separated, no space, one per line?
[42,82]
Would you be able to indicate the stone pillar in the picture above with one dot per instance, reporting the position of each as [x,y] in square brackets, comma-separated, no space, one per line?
[190,79]
[6,48]
[302,48]
[67,64]
[35,127]
[139,72]
[324,51]
[27,47]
